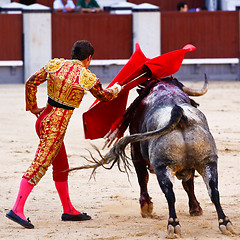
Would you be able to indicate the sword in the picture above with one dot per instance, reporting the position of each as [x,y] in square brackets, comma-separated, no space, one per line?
[134,79]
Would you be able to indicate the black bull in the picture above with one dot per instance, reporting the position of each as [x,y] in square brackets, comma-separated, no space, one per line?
[168,135]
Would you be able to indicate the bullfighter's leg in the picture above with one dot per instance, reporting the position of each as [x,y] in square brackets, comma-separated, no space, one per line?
[194,206]
[143,176]
[210,177]
[167,188]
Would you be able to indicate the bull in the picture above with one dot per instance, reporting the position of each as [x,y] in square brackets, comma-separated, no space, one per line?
[170,135]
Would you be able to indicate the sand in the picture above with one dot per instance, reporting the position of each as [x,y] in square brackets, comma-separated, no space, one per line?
[111,199]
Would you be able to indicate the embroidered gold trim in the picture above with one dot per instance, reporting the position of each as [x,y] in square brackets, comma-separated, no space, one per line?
[87,79]
[37,177]
[77,62]
[54,65]
[53,128]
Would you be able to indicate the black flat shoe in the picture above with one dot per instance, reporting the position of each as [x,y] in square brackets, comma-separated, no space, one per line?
[79,217]
[14,217]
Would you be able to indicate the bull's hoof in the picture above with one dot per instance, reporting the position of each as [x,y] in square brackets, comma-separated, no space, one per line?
[196,211]
[225,226]
[173,228]
[147,209]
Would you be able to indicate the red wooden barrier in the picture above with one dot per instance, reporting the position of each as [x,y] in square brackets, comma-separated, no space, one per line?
[11,37]
[111,35]
[215,34]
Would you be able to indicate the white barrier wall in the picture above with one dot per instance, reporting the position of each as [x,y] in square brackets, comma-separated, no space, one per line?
[106,3]
[4,2]
[37,30]
[230,5]
[146,29]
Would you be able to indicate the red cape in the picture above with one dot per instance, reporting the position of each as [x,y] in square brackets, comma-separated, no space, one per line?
[101,116]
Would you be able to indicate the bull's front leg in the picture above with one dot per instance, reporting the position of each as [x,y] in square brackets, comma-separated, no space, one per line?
[166,185]
[210,177]
[194,206]
[143,176]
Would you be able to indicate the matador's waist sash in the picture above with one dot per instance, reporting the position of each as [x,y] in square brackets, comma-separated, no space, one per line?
[59,105]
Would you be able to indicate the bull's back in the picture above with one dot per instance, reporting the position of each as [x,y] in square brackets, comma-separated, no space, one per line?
[188,145]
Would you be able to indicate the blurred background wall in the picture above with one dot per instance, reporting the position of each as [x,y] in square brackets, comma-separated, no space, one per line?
[214,33]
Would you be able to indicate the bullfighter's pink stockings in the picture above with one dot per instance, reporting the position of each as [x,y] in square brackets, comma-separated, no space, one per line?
[24,191]
[62,188]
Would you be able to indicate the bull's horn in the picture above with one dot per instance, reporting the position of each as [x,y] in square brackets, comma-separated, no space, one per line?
[193,92]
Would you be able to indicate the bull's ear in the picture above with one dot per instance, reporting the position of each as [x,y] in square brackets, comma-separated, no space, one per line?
[193,103]
[140,89]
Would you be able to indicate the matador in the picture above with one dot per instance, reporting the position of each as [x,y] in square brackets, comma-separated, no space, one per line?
[67,80]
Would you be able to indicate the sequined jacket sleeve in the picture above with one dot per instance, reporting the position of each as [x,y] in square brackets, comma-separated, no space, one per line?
[88,81]
[31,88]
[103,94]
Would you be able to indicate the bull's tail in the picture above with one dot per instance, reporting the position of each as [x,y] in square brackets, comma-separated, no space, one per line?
[117,152]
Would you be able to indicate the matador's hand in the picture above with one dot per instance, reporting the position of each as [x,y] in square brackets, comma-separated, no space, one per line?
[37,111]
[116,87]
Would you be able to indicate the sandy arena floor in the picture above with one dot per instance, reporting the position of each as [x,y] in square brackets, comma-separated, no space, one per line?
[111,199]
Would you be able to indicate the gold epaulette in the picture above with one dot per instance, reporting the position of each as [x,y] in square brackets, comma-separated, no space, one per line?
[77,62]
[87,79]
[54,65]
